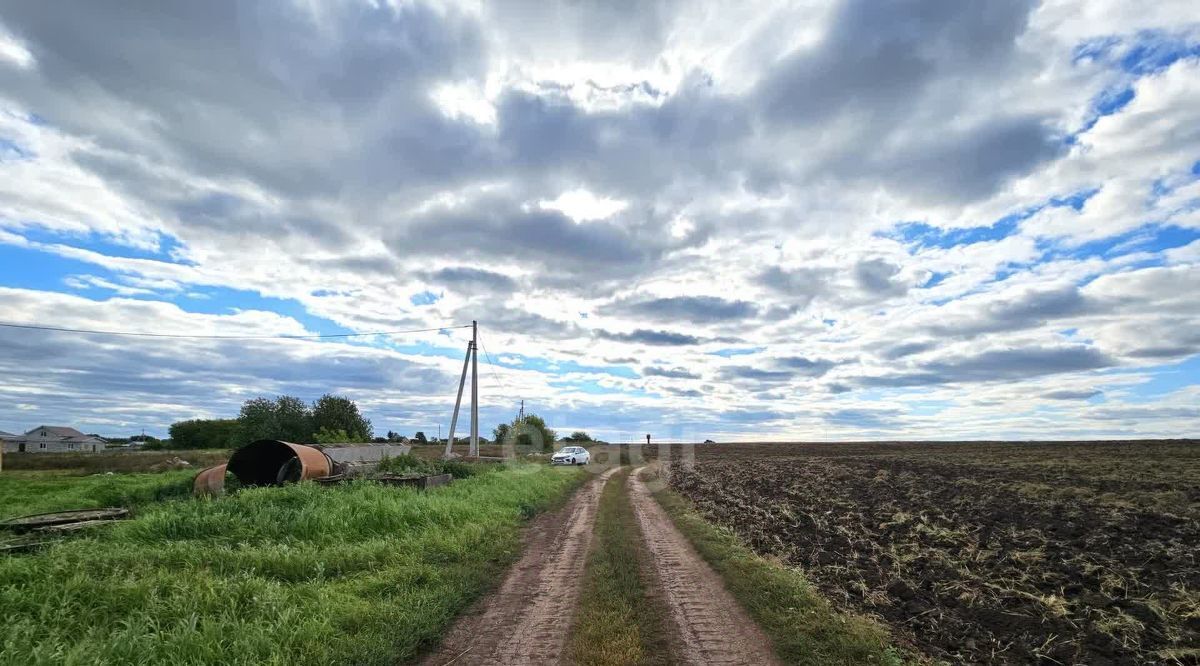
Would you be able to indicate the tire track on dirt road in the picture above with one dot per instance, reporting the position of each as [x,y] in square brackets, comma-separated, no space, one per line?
[527,620]
[709,624]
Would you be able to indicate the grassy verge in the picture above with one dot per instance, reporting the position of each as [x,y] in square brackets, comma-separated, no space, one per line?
[355,574]
[617,623]
[24,492]
[803,626]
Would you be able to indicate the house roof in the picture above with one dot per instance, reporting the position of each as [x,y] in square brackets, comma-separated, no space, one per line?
[6,434]
[58,431]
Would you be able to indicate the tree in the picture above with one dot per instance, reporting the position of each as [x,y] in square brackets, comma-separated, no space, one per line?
[578,436]
[286,418]
[529,433]
[327,436]
[333,413]
[204,434]
[500,433]
[420,437]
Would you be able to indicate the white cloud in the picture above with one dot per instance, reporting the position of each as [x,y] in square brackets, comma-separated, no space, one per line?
[583,206]
[13,52]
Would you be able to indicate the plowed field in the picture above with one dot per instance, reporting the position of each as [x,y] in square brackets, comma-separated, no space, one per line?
[1006,553]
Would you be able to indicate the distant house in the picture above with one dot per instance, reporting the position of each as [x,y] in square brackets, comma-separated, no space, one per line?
[52,439]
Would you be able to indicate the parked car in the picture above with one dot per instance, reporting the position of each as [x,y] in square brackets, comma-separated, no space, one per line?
[571,455]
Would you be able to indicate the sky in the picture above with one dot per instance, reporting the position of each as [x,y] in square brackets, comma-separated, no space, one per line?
[924,219]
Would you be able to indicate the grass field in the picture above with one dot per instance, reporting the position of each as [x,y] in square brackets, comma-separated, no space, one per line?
[111,461]
[355,574]
[25,492]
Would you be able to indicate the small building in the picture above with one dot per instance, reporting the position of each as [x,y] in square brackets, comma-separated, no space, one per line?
[52,439]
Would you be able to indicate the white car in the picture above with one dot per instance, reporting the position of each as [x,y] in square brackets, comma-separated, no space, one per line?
[571,455]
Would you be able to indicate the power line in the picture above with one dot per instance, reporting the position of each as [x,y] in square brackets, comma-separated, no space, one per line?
[138,334]
[492,367]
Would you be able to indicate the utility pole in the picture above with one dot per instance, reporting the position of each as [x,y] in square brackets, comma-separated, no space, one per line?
[462,380]
[472,361]
[474,388]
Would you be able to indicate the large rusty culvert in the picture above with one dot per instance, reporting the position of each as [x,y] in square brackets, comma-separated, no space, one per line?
[270,462]
[266,462]
[210,481]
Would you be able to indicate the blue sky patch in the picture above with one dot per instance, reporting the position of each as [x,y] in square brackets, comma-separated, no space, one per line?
[935,278]
[29,268]
[10,151]
[167,251]
[1167,378]
[560,367]
[926,235]
[1152,238]
[1112,100]
[424,298]
[743,351]
[1155,51]
[920,235]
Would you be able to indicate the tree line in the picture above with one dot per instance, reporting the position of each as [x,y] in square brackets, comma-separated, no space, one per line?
[333,419]
[329,419]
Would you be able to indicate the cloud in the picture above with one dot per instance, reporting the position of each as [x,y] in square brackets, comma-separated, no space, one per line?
[736,372]
[1068,394]
[547,240]
[465,278]
[651,337]
[1015,310]
[672,373]
[803,284]
[907,349]
[997,365]
[877,276]
[807,366]
[685,308]
[865,418]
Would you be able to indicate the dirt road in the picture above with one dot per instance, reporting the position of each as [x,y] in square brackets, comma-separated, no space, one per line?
[527,621]
[710,627]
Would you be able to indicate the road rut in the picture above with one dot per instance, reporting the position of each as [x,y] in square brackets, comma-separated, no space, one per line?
[709,624]
[526,621]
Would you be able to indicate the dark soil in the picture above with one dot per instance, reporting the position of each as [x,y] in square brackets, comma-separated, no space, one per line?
[982,553]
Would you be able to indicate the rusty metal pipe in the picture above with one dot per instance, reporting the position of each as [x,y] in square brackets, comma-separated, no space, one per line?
[210,481]
[271,462]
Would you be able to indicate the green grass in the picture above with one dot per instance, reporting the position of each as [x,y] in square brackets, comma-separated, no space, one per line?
[803,626]
[616,622]
[23,492]
[407,463]
[353,574]
[111,461]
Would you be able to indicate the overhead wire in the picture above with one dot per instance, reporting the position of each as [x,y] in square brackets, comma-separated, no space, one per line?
[141,334]
[492,368]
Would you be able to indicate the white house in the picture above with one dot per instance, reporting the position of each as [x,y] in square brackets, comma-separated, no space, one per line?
[51,439]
